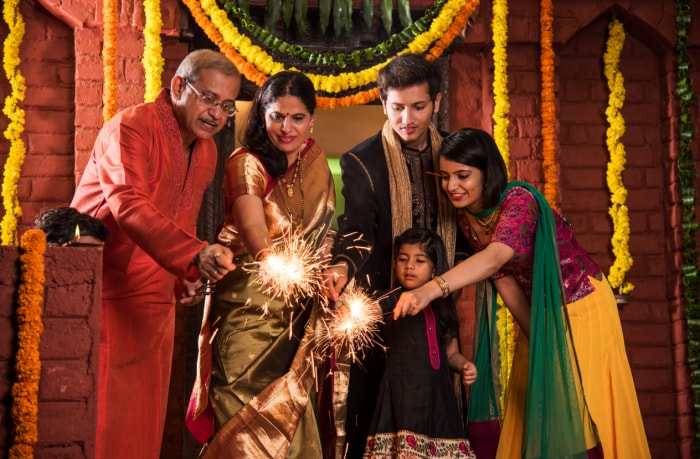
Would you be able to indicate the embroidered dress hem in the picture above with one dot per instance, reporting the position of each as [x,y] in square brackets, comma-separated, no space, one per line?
[406,444]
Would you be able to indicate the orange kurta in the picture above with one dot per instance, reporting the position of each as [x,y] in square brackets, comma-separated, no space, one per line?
[138,182]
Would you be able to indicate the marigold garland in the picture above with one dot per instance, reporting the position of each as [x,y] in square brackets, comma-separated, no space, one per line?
[152,49]
[618,193]
[549,163]
[501,108]
[452,32]
[109,59]
[25,403]
[15,127]
[256,64]
[506,346]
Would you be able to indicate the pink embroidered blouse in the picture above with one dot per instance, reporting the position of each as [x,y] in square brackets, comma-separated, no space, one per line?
[516,228]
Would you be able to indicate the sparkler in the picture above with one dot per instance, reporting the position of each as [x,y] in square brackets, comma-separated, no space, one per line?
[289,269]
[353,326]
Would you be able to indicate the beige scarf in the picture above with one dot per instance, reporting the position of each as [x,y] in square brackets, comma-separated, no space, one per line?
[401,202]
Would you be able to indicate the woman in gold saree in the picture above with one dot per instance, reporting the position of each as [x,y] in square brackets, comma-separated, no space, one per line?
[262,386]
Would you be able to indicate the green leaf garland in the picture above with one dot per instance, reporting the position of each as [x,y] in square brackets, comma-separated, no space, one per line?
[274,8]
[404,8]
[368,12]
[301,8]
[386,10]
[687,175]
[327,8]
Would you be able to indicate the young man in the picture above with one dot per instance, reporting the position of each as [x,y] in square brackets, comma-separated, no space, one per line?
[389,185]
[147,173]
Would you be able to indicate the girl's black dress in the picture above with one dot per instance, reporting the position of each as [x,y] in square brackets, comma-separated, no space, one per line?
[417,414]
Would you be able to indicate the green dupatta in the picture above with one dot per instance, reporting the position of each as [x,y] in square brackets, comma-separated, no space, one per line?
[485,392]
[555,409]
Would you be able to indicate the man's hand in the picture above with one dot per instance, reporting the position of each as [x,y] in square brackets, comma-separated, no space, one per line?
[335,278]
[191,292]
[214,262]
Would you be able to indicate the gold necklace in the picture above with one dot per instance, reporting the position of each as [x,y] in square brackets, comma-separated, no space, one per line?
[488,225]
[297,173]
[290,193]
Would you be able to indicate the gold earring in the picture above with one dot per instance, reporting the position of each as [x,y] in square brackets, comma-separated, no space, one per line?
[311,130]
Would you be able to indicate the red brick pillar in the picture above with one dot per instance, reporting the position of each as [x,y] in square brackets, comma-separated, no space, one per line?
[68,349]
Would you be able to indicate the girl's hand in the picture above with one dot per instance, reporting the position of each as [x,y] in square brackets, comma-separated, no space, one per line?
[468,374]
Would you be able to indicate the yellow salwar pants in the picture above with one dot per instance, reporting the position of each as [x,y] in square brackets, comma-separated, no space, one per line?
[606,376]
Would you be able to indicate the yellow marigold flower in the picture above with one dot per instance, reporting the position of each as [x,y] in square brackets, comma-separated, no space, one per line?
[152,50]
[15,127]
[616,129]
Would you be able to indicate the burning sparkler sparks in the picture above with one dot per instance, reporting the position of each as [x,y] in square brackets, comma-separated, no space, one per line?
[289,269]
[353,326]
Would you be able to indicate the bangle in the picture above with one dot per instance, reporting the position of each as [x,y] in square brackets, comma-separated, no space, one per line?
[444,286]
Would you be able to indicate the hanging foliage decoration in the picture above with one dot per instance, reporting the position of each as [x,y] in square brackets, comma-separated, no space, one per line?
[336,88]
[152,49]
[301,56]
[549,110]
[109,59]
[687,175]
[25,390]
[616,128]
[15,128]
[501,107]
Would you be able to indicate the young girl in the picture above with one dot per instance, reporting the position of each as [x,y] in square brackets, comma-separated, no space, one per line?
[417,414]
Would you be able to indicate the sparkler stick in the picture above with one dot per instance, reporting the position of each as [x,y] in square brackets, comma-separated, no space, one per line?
[207,291]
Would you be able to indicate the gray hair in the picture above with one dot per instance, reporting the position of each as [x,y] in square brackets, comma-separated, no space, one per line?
[202,59]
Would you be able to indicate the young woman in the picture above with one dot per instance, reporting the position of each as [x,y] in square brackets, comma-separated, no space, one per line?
[571,357]
[417,414]
[262,382]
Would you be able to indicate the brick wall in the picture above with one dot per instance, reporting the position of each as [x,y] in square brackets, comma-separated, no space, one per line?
[69,344]
[48,66]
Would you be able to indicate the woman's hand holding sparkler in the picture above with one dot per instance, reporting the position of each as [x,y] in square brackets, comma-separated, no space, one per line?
[414,301]
[214,261]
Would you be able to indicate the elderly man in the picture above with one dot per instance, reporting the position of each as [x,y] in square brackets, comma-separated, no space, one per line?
[145,179]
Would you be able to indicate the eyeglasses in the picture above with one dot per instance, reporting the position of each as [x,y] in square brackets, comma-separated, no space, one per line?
[227,108]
